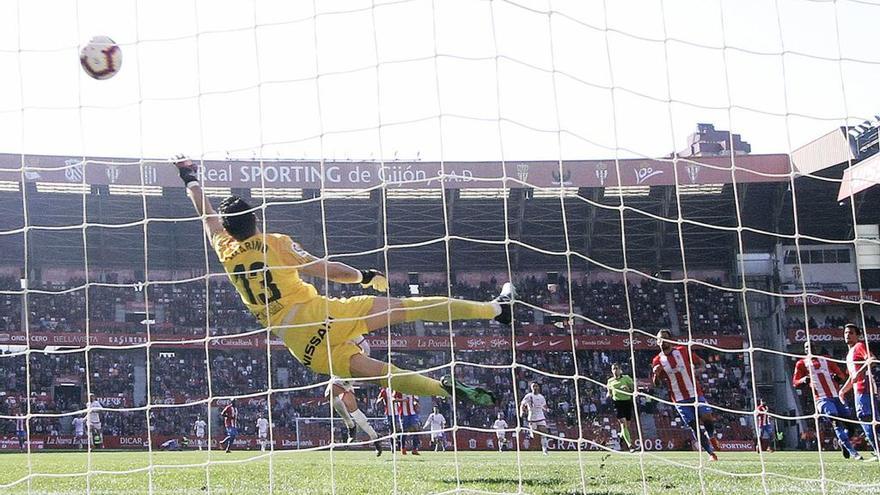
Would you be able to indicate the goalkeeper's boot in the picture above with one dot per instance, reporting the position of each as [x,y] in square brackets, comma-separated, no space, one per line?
[352,432]
[857,457]
[505,299]
[378,446]
[478,395]
[713,457]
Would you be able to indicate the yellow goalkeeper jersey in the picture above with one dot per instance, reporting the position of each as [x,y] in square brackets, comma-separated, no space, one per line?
[263,269]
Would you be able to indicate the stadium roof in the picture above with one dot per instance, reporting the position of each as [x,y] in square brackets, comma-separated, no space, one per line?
[583,210]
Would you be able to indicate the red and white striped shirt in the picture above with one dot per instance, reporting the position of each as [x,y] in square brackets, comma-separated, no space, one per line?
[229,415]
[855,365]
[406,405]
[763,417]
[821,372]
[677,372]
[387,396]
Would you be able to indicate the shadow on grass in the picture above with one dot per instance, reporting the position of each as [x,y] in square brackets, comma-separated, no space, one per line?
[548,486]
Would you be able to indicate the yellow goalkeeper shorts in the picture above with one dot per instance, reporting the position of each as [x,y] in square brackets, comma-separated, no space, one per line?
[319,332]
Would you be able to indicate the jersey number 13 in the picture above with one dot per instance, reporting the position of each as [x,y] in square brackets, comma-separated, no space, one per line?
[243,276]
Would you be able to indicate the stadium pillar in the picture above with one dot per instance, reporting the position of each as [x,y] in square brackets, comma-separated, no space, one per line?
[378,199]
[593,194]
[140,379]
[660,233]
[520,195]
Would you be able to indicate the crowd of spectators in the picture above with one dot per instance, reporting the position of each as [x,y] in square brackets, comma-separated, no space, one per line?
[199,307]
[179,379]
[708,310]
[191,375]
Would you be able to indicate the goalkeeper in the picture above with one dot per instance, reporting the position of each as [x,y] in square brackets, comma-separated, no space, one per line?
[318,330]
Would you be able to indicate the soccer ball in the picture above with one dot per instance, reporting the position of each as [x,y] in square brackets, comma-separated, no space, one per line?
[101,58]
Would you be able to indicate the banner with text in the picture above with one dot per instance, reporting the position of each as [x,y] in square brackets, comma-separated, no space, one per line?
[825,298]
[465,439]
[829,335]
[412,343]
[409,175]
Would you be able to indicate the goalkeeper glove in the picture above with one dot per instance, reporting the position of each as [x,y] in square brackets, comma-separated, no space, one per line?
[187,169]
[374,279]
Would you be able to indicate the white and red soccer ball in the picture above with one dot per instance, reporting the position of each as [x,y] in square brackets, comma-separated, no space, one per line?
[101,58]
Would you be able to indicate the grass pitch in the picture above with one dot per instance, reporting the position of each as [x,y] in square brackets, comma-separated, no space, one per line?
[360,472]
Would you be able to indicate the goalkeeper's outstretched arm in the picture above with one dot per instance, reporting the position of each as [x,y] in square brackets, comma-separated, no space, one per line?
[331,270]
[345,274]
[189,175]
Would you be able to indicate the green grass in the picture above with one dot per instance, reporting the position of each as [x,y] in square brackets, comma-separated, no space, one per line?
[179,473]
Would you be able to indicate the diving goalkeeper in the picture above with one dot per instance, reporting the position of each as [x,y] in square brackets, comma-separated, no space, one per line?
[318,330]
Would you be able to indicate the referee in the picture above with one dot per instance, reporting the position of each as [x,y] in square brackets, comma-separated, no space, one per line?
[620,390]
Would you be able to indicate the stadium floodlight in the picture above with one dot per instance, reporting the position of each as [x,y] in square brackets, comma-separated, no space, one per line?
[615,191]
[9,186]
[700,189]
[217,192]
[277,193]
[345,193]
[483,193]
[119,190]
[395,193]
[63,188]
[565,192]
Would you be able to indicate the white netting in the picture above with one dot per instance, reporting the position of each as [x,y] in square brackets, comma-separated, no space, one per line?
[453,145]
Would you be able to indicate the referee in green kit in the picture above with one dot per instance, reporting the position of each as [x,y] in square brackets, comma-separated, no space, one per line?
[620,390]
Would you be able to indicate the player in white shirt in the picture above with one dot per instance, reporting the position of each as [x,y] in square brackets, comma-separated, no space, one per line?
[436,422]
[536,406]
[94,419]
[263,432]
[79,431]
[200,428]
[341,394]
[500,426]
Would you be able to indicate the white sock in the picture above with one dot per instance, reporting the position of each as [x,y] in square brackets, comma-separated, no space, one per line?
[339,406]
[497,307]
[363,424]
[544,442]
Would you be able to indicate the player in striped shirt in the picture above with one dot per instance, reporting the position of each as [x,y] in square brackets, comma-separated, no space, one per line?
[676,365]
[229,415]
[408,407]
[819,373]
[861,382]
[765,427]
[387,398]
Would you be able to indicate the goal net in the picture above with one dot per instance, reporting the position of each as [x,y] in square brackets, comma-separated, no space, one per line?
[703,168]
